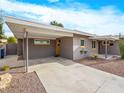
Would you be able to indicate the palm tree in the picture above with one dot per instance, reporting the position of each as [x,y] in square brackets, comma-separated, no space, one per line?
[55,23]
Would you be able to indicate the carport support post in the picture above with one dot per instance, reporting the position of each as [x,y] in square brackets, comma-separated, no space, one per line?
[23,46]
[106,48]
[26,51]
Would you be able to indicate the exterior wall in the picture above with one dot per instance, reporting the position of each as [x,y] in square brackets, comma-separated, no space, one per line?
[37,51]
[114,50]
[40,51]
[70,48]
[88,47]
[67,47]
[11,49]
[19,47]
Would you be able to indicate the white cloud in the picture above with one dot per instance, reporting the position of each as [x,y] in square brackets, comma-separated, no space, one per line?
[52,1]
[107,20]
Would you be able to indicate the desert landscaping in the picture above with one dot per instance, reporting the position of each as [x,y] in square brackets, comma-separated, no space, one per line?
[111,66]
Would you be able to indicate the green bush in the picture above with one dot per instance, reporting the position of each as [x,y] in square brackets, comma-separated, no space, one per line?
[94,56]
[122,50]
[12,40]
[121,45]
[6,67]
[81,51]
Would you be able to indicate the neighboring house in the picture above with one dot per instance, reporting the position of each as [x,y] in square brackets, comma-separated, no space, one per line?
[36,40]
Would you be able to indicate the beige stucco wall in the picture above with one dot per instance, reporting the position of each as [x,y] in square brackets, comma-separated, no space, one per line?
[67,47]
[114,49]
[88,47]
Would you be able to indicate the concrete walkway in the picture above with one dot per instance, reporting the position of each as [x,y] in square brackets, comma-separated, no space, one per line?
[60,75]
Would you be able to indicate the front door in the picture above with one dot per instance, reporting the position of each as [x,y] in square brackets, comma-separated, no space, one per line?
[58,47]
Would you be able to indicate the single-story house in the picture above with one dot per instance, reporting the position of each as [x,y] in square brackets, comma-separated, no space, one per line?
[36,40]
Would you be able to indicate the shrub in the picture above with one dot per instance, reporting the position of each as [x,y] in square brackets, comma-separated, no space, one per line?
[81,51]
[94,56]
[121,46]
[122,50]
[12,40]
[6,67]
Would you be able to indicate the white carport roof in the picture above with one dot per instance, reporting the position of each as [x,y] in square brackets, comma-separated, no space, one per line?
[38,30]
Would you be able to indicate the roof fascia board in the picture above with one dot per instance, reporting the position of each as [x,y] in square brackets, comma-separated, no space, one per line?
[47,32]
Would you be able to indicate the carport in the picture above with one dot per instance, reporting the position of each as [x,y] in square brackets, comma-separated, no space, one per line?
[23,29]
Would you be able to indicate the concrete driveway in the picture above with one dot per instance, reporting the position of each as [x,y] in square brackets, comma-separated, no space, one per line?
[12,61]
[60,75]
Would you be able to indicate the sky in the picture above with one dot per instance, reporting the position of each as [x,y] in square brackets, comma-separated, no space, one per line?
[101,17]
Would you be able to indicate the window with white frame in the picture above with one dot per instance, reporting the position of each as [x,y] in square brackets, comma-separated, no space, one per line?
[93,44]
[82,43]
[41,42]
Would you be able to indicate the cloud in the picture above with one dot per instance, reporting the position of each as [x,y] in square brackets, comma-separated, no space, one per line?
[52,1]
[103,21]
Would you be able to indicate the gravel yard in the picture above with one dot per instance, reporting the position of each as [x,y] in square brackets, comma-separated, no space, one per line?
[112,66]
[24,82]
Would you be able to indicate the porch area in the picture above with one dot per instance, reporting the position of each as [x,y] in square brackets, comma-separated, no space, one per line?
[107,46]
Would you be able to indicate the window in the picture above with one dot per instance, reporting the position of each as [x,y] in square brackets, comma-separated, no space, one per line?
[41,42]
[82,42]
[93,44]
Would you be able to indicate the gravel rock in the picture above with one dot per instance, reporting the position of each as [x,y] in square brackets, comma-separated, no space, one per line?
[111,66]
[24,83]
[5,80]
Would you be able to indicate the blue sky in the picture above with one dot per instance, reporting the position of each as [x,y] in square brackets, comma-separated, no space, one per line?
[95,4]
[100,17]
